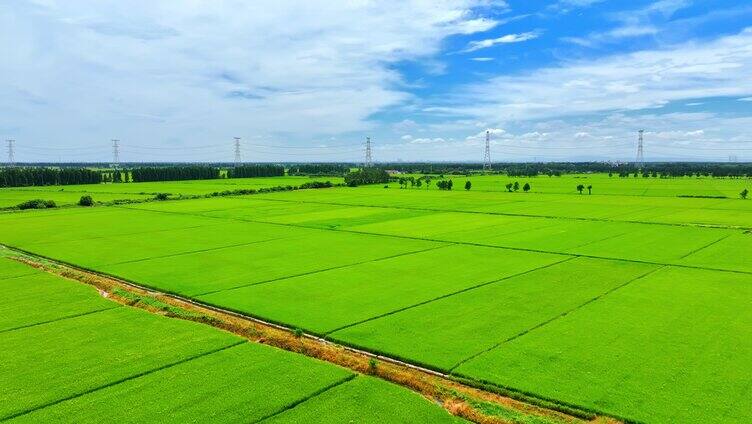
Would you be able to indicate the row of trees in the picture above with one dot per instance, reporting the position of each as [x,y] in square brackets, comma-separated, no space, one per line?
[23,177]
[174,173]
[332,169]
[251,171]
[513,187]
[581,187]
[369,175]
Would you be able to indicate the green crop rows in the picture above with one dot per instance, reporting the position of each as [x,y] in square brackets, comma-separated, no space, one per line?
[631,302]
[81,358]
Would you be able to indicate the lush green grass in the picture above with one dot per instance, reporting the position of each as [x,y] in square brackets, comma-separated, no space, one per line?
[240,266]
[671,347]
[67,195]
[35,298]
[605,185]
[443,333]
[365,400]
[326,301]
[244,383]
[47,363]
[404,272]
[128,365]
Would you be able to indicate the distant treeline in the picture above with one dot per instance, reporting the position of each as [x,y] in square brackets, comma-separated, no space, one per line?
[174,173]
[250,171]
[666,169]
[22,177]
[334,169]
[366,176]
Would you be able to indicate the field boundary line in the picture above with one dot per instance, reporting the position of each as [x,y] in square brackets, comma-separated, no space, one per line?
[384,258]
[319,392]
[706,246]
[135,233]
[190,252]
[444,296]
[63,318]
[122,380]
[522,249]
[453,393]
[554,318]
[571,218]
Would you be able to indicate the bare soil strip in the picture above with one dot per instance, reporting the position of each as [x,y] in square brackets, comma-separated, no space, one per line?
[462,399]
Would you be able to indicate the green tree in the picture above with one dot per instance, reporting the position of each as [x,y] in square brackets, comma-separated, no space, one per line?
[589,189]
[468,185]
[509,187]
[516,186]
[580,187]
[526,187]
[744,193]
[86,201]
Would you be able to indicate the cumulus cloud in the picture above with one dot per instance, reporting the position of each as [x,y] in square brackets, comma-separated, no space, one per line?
[178,73]
[644,79]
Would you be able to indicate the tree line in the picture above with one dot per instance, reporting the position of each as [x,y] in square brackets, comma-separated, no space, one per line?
[23,177]
[319,169]
[251,171]
[371,175]
[174,173]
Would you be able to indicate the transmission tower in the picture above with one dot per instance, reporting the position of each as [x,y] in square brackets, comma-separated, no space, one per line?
[115,153]
[11,152]
[238,159]
[487,153]
[369,159]
[640,159]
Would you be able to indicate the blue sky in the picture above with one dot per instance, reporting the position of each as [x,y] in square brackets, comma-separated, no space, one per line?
[556,80]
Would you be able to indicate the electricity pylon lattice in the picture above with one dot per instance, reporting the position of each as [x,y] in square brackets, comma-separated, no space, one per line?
[11,152]
[115,153]
[238,159]
[369,159]
[640,157]
[487,153]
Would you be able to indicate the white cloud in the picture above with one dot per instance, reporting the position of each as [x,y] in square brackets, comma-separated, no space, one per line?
[482,59]
[178,73]
[505,39]
[745,99]
[639,80]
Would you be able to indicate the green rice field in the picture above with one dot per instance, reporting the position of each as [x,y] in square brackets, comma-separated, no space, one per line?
[634,302]
[70,194]
[79,356]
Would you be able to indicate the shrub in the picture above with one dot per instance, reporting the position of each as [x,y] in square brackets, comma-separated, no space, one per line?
[86,201]
[161,196]
[372,364]
[297,332]
[37,204]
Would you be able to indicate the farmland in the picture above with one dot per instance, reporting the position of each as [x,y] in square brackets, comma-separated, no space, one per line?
[631,302]
[93,355]
[70,194]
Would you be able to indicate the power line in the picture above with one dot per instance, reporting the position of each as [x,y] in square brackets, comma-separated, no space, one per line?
[487,153]
[237,151]
[369,159]
[11,152]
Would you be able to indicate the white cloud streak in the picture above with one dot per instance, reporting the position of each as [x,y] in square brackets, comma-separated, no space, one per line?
[505,39]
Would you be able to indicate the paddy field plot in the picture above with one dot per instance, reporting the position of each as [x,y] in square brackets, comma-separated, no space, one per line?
[70,194]
[577,299]
[133,366]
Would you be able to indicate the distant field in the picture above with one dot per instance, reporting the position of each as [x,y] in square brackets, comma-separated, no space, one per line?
[70,194]
[603,184]
[89,357]
[629,304]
